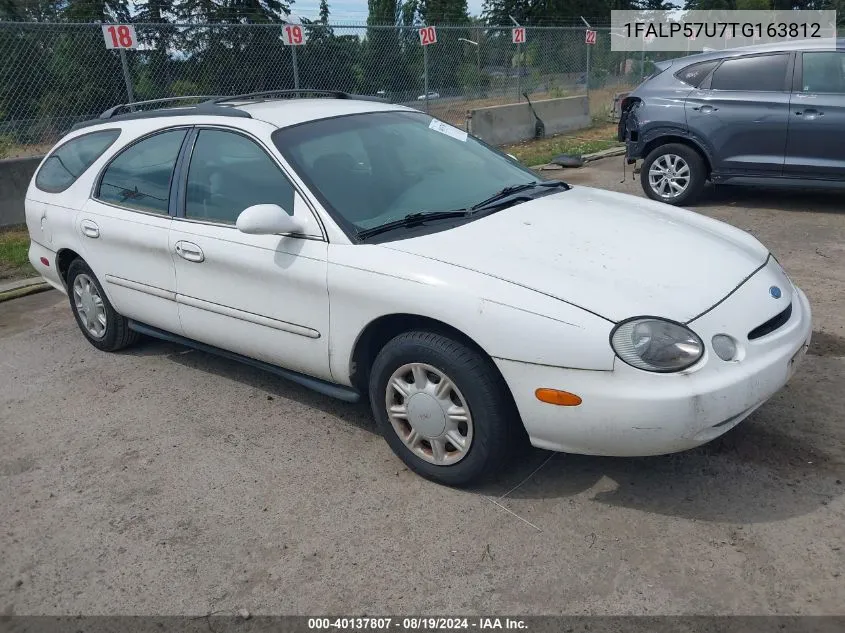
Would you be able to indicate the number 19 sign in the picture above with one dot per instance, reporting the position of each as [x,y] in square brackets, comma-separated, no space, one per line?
[120,36]
[293,35]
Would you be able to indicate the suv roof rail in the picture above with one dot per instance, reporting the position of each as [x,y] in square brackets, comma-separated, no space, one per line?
[210,105]
[269,95]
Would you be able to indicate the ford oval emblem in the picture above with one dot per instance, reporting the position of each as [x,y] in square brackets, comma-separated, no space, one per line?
[775,292]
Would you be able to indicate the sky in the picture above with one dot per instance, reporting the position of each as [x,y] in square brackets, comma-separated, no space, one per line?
[352,10]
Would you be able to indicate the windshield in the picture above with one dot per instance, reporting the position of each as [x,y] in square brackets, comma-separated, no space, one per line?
[371,169]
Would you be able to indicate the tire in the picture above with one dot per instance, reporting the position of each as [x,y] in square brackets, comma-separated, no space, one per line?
[492,428]
[115,332]
[662,155]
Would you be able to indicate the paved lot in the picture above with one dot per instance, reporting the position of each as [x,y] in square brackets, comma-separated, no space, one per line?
[162,480]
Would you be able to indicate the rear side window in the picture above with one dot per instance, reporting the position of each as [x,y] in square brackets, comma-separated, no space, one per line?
[763,73]
[139,178]
[69,161]
[694,74]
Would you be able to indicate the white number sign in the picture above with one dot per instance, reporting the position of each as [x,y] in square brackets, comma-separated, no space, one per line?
[590,37]
[518,35]
[428,35]
[293,35]
[120,36]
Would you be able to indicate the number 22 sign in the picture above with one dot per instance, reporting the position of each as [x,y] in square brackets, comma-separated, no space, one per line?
[120,36]
[293,35]
[428,35]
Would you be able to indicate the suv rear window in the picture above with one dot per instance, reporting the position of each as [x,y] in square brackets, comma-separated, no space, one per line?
[69,161]
[694,74]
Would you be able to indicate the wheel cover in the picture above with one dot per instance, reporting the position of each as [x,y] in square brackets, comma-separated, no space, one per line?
[669,176]
[90,309]
[429,414]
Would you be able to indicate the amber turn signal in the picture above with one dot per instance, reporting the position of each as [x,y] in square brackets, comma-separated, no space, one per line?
[555,396]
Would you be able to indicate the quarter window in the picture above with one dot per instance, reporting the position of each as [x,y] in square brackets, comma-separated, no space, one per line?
[696,73]
[823,72]
[69,161]
[229,173]
[139,178]
[763,73]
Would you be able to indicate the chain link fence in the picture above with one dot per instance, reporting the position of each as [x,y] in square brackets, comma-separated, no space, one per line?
[55,74]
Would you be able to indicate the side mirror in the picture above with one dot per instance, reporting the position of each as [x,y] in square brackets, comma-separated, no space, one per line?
[267,219]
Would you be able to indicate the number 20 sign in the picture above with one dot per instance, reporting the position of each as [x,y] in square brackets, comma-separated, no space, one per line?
[293,35]
[120,36]
[428,35]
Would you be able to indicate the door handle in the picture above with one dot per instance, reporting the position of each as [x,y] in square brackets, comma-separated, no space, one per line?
[810,113]
[705,108]
[189,251]
[90,229]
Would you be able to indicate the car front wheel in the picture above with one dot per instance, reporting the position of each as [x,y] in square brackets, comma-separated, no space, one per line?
[673,173]
[104,328]
[442,407]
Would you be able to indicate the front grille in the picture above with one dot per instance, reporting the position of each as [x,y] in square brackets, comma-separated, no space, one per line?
[771,325]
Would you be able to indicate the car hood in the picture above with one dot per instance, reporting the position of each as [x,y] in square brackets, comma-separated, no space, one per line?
[613,254]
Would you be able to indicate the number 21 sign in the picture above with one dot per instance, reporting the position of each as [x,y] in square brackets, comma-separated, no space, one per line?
[518,35]
[293,35]
[120,36]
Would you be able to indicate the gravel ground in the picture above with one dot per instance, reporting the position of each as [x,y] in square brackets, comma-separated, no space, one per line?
[167,481]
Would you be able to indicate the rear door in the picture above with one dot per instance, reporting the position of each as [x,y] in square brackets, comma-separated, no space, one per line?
[125,228]
[816,144]
[741,112]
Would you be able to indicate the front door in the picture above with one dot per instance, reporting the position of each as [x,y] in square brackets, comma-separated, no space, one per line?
[741,112]
[262,296]
[816,144]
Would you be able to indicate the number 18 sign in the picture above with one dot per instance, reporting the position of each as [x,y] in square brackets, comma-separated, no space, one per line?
[120,36]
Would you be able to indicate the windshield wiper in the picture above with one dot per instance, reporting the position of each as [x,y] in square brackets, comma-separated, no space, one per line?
[499,197]
[412,219]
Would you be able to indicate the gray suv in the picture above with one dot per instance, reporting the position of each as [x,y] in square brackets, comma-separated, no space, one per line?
[767,111]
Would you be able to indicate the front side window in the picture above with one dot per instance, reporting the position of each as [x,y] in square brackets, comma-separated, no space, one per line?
[229,173]
[762,73]
[69,161]
[139,178]
[379,167]
[823,72]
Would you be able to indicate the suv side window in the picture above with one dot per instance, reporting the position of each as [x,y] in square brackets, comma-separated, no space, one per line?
[694,74]
[139,177]
[229,173]
[761,73]
[69,161]
[823,72]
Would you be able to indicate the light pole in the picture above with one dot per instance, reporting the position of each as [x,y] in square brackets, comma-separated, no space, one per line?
[477,63]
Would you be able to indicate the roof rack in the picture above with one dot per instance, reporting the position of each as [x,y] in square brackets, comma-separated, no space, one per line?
[212,105]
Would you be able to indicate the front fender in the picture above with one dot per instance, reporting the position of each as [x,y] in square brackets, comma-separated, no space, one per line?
[507,321]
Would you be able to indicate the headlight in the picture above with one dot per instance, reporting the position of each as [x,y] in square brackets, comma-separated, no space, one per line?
[656,345]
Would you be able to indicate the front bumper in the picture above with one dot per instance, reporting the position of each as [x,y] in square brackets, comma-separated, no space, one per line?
[629,412]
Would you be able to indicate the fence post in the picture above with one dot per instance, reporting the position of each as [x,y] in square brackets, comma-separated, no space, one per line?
[587,85]
[519,73]
[126,76]
[295,68]
[425,75]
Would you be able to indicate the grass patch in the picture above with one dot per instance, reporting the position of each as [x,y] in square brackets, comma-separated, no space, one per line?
[14,258]
[541,151]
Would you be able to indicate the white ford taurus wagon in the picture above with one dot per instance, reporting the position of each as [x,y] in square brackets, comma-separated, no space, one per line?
[367,250]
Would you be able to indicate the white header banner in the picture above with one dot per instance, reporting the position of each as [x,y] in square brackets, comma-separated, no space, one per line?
[699,30]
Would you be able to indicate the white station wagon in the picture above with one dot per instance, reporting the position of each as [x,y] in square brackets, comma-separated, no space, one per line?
[367,250]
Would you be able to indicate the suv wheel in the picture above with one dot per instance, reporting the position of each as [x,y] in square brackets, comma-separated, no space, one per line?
[442,407]
[104,328]
[673,173]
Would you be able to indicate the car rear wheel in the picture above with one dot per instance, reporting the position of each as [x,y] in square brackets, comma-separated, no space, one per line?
[104,328]
[442,407]
[673,173]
